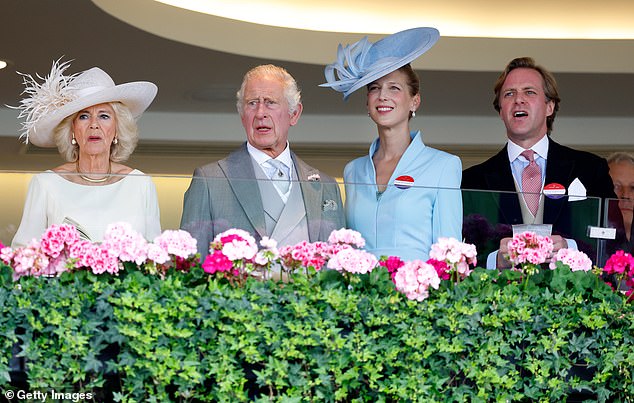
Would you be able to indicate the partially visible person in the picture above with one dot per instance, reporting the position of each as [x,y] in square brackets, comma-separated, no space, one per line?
[403,195]
[263,187]
[92,122]
[622,172]
[527,100]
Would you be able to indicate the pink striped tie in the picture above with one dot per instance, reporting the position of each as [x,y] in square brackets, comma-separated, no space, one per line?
[531,182]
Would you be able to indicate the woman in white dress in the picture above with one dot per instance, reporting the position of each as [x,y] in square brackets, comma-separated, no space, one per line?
[92,122]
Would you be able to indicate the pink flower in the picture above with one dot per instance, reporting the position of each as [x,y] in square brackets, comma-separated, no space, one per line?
[269,253]
[575,259]
[56,266]
[346,236]
[157,254]
[305,254]
[620,263]
[30,260]
[353,261]
[80,253]
[457,255]
[217,262]
[102,260]
[177,242]
[6,254]
[392,264]
[236,244]
[528,247]
[268,243]
[125,243]
[414,279]
[57,237]
[441,267]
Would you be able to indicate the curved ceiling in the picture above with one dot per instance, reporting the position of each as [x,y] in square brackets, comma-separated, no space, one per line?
[574,36]
[609,19]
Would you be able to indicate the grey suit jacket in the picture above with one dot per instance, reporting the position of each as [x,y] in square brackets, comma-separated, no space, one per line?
[224,195]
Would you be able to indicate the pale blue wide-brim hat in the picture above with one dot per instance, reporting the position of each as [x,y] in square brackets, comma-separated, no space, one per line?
[363,62]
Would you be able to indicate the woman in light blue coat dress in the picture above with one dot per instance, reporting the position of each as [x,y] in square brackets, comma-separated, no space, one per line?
[403,195]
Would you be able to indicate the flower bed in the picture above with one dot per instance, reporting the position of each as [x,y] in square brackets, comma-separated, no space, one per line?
[167,330]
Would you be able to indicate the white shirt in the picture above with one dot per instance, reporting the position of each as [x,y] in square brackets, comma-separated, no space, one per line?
[262,159]
[519,162]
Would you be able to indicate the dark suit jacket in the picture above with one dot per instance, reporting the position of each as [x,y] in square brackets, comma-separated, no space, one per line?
[224,195]
[563,165]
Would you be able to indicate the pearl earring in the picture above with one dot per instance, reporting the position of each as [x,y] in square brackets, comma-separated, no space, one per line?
[413,114]
[115,141]
[73,141]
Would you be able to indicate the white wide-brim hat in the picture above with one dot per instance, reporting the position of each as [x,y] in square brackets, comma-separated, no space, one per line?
[61,96]
[363,62]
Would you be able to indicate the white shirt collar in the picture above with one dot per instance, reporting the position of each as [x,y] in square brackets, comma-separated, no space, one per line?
[541,148]
[262,158]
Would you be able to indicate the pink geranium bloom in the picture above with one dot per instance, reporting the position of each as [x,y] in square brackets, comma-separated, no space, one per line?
[268,254]
[442,268]
[392,264]
[29,260]
[102,260]
[177,243]
[305,254]
[80,252]
[575,259]
[125,243]
[217,262]
[458,256]
[528,247]
[236,244]
[415,278]
[56,238]
[347,237]
[353,261]
[620,263]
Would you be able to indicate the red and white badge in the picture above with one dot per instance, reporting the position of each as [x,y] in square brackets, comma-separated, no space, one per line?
[554,191]
[404,182]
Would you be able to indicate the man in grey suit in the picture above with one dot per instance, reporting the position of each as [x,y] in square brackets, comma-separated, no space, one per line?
[263,187]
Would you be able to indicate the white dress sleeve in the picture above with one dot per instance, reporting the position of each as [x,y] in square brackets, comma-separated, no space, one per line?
[34,217]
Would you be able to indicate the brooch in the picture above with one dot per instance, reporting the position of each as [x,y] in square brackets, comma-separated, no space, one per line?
[329,205]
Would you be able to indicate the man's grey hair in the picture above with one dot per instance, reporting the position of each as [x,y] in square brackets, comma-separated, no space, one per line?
[291,90]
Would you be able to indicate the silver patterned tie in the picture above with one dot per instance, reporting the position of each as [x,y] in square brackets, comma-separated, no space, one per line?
[280,177]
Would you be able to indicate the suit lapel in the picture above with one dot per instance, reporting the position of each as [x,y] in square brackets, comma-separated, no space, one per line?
[312,195]
[238,169]
[558,170]
[501,178]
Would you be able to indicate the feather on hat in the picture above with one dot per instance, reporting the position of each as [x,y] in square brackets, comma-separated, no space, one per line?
[59,96]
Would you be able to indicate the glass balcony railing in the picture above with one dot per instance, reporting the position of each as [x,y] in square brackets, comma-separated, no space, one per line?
[617,216]
[390,219]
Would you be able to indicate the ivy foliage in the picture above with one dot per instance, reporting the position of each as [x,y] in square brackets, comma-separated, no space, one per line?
[191,337]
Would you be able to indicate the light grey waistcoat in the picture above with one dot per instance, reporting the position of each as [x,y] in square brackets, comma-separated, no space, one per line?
[285,223]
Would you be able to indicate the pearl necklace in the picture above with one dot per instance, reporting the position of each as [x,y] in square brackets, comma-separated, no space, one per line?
[93,180]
